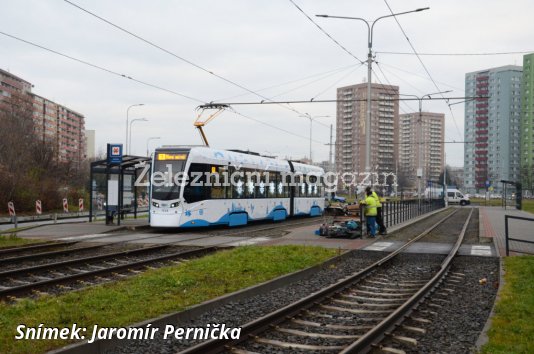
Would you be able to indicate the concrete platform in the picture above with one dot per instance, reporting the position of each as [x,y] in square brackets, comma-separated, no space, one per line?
[492,226]
[65,230]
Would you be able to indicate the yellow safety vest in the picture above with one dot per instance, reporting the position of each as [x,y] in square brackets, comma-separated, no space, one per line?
[378,204]
[370,206]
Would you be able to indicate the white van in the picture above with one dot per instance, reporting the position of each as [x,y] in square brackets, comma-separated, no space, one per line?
[455,196]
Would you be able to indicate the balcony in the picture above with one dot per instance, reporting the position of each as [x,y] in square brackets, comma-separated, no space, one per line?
[481,152]
[481,145]
[482,78]
[482,119]
[481,125]
[482,111]
[482,132]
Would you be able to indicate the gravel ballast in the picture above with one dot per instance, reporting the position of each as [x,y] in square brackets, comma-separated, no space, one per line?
[454,330]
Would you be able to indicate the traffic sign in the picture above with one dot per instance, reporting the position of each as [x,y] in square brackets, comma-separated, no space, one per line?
[65,205]
[38,207]
[488,183]
[11,208]
[80,204]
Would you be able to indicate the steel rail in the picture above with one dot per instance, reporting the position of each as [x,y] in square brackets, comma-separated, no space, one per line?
[32,247]
[47,254]
[14,272]
[272,319]
[365,343]
[32,286]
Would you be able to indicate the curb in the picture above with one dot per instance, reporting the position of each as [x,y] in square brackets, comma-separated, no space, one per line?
[483,337]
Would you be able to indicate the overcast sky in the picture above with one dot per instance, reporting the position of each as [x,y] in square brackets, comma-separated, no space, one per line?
[269,47]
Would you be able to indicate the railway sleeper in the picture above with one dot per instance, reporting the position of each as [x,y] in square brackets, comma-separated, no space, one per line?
[288,345]
[377,299]
[390,350]
[355,311]
[399,284]
[328,325]
[413,329]
[396,295]
[297,332]
[341,318]
[402,339]
[397,291]
[419,319]
[364,304]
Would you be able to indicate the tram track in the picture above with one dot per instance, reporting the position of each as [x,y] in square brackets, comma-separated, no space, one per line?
[352,315]
[70,247]
[23,279]
[90,270]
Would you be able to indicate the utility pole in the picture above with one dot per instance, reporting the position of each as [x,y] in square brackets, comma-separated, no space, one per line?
[370,27]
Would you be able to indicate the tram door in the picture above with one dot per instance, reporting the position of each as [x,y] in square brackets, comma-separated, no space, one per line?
[291,193]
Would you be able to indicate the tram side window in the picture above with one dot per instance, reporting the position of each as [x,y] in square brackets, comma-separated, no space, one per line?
[303,187]
[261,185]
[272,184]
[217,182]
[196,189]
[249,183]
[238,187]
[312,186]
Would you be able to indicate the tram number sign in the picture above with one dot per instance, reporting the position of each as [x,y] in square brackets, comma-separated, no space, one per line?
[65,205]
[11,208]
[38,207]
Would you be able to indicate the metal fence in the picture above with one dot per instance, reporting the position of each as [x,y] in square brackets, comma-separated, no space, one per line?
[396,212]
[508,238]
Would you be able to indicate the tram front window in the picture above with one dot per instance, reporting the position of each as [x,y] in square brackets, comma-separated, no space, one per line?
[166,180]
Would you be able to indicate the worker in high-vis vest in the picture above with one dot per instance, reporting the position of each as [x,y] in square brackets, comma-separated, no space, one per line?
[370,212]
[379,215]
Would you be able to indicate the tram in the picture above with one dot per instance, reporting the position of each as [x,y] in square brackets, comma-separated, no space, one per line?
[200,186]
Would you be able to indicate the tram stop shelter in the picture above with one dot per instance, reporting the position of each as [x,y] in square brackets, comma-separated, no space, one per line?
[509,194]
[113,190]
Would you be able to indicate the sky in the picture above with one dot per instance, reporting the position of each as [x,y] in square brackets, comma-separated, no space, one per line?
[239,51]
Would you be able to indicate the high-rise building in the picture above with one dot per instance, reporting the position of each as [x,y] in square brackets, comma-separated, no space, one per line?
[90,143]
[492,123]
[425,151]
[527,124]
[56,125]
[350,128]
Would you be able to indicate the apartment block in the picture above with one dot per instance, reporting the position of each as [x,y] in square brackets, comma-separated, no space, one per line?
[491,130]
[56,125]
[350,128]
[421,146]
[527,124]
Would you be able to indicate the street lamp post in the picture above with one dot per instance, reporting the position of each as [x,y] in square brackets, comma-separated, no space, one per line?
[370,27]
[127,119]
[148,140]
[130,140]
[307,115]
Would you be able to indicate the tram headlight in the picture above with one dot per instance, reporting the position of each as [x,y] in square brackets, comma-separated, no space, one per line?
[174,205]
[155,204]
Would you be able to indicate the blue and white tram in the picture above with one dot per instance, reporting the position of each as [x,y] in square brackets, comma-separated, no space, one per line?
[201,186]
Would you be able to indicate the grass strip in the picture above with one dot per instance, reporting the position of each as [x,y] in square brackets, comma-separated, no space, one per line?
[153,293]
[512,327]
[13,240]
